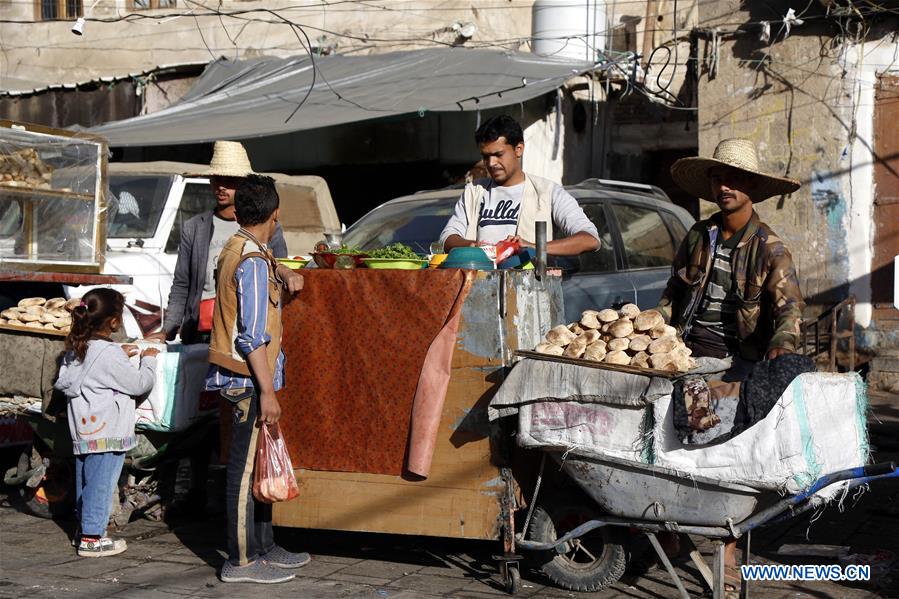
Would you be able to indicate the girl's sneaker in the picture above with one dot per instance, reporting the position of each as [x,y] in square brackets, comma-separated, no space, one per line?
[102,547]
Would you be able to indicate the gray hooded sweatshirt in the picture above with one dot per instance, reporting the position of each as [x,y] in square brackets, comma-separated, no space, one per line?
[101,392]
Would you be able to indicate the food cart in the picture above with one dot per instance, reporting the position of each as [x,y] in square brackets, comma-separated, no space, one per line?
[364,425]
[53,235]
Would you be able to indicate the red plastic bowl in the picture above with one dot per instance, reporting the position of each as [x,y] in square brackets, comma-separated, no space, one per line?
[327,259]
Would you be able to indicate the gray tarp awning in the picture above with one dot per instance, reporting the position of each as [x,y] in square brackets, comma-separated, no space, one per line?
[254,98]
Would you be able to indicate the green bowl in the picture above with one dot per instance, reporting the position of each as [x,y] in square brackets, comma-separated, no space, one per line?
[293,263]
[394,263]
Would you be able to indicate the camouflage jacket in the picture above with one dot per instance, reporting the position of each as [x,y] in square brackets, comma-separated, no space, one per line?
[770,303]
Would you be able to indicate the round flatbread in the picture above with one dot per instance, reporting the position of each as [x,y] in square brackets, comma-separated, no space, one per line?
[576,328]
[608,315]
[560,335]
[664,330]
[663,345]
[32,301]
[617,357]
[639,343]
[576,348]
[618,344]
[10,314]
[35,324]
[592,336]
[621,328]
[27,317]
[56,302]
[648,319]
[640,359]
[590,320]
[549,348]
[595,352]
[629,311]
[73,303]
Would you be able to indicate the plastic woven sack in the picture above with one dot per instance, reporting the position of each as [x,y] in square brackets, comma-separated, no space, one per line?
[274,480]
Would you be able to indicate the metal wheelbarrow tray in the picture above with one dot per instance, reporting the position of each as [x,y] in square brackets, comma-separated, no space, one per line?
[628,489]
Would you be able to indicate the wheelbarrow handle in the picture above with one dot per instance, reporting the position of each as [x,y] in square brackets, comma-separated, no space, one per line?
[861,474]
[879,469]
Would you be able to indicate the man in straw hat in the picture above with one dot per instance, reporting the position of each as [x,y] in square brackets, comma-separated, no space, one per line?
[192,295]
[733,291]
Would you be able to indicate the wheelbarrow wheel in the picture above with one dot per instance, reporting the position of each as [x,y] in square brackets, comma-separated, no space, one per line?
[589,563]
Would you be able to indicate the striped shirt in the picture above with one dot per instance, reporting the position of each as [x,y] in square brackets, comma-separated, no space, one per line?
[252,314]
[714,330]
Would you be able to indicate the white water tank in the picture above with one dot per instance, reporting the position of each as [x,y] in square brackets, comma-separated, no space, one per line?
[569,28]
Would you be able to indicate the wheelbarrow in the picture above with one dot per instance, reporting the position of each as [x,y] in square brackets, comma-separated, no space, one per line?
[589,555]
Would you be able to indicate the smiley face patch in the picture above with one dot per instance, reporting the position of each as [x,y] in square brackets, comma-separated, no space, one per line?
[93,423]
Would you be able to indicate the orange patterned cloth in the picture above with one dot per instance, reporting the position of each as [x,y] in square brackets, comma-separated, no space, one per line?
[355,342]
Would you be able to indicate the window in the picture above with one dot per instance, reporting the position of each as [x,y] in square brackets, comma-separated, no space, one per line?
[52,10]
[152,4]
[197,198]
[678,231]
[413,223]
[602,260]
[135,205]
[647,242]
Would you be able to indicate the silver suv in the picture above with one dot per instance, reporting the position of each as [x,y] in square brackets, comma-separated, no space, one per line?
[639,226]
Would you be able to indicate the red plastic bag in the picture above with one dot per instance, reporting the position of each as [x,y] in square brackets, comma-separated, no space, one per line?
[274,480]
[506,249]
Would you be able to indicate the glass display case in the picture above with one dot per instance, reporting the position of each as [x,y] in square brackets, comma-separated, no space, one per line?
[52,199]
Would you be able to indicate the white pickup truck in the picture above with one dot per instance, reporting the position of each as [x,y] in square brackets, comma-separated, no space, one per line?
[147,205]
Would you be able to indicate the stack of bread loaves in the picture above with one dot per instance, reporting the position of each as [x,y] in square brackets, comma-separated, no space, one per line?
[24,169]
[39,313]
[626,337]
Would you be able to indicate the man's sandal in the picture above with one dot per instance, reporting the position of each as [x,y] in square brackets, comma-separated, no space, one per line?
[733,581]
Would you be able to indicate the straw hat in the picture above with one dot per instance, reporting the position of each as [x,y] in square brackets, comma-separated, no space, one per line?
[692,174]
[229,159]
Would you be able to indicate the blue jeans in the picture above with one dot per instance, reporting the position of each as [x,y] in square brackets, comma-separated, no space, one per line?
[96,479]
[249,521]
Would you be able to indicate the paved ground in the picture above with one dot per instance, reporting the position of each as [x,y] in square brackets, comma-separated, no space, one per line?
[181,559]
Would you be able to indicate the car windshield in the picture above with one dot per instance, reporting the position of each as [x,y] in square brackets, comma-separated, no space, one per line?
[414,223]
[135,204]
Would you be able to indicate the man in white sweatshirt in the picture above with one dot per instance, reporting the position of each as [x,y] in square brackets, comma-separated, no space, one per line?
[508,204]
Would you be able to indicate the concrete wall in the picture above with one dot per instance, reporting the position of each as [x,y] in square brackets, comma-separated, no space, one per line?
[807,101]
[49,52]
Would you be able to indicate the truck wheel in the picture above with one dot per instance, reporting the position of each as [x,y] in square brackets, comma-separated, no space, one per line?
[589,563]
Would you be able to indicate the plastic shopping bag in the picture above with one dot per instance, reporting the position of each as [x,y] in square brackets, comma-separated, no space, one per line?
[274,480]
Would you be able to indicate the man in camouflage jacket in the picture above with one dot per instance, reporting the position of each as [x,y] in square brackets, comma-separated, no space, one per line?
[763,301]
[770,304]
[733,289]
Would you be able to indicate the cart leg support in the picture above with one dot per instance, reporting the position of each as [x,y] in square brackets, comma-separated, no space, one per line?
[664,559]
[701,564]
[718,589]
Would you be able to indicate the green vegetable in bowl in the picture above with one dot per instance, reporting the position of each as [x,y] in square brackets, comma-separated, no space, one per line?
[396,251]
[347,250]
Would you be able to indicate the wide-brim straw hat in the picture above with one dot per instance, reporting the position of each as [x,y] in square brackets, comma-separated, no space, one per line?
[229,159]
[692,174]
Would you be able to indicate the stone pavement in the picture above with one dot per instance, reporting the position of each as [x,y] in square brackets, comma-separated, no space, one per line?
[181,560]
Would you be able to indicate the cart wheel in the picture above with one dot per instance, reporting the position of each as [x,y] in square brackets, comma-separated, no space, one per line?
[589,563]
[513,579]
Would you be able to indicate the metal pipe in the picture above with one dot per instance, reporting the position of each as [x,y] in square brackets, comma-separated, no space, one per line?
[541,248]
[667,563]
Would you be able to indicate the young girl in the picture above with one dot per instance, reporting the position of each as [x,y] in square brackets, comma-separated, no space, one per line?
[100,383]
